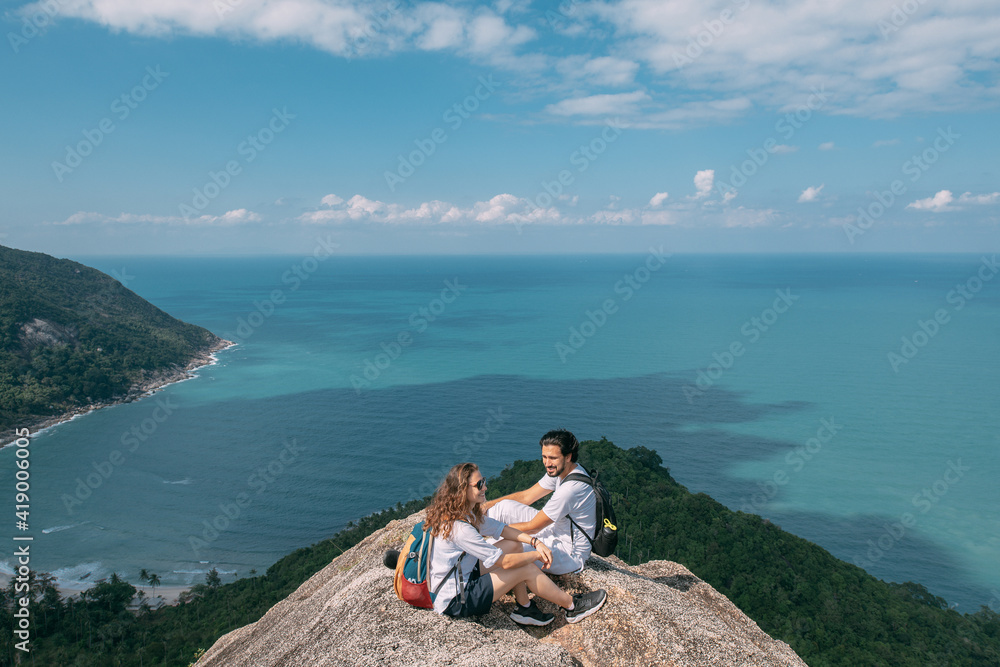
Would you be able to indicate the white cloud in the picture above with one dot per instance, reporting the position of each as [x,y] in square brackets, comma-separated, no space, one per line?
[237,216]
[658,218]
[945,201]
[749,217]
[939,202]
[445,28]
[969,198]
[500,209]
[599,105]
[784,148]
[658,199]
[770,55]
[692,113]
[810,194]
[612,217]
[345,28]
[358,206]
[935,62]
[509,209]
[827,146]
[234,217]
[885,142]
[488,32]
[504,209]
[601,71]
[703,182]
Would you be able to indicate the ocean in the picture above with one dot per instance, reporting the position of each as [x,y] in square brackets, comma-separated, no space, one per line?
[850,399]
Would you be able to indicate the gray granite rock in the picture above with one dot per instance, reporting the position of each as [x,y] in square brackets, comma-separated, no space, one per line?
[657,613]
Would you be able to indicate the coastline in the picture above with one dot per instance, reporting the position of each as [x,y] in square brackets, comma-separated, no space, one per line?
[145,387]
[166,596]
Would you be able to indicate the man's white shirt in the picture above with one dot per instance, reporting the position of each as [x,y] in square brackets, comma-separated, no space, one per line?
[576,499]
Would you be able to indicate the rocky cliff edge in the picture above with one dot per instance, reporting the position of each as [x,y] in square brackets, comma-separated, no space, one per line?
[657,613]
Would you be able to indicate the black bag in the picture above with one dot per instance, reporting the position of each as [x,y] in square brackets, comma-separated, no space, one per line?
[606,538]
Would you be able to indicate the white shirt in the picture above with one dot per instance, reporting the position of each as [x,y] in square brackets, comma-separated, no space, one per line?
[446,552]
[576,499]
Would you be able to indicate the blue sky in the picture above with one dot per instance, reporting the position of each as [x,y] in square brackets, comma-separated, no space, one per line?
[245,127]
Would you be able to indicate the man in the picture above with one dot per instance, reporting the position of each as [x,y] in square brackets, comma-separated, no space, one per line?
[576,499]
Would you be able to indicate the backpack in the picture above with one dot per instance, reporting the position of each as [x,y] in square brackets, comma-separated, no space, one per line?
[413,567]
[606,532]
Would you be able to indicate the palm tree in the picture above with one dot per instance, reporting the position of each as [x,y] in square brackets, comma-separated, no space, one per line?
[154,581]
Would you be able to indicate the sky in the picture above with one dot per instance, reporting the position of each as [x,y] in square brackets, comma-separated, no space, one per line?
[229,127]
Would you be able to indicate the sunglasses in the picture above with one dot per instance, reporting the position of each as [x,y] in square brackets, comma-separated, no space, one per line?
[480,484]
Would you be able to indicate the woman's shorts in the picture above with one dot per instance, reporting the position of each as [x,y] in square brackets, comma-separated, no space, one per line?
[478,596]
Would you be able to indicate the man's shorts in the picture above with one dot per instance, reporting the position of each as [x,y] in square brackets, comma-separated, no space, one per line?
[478,596]
[563,560]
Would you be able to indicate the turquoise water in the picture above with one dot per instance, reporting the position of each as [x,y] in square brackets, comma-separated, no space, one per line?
[287,439]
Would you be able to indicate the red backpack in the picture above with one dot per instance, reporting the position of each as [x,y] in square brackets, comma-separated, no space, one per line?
[413,567]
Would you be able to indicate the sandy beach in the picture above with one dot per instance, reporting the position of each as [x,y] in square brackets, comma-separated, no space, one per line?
[164,595]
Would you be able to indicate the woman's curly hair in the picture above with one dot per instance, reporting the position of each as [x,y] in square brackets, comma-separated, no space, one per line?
[450,502]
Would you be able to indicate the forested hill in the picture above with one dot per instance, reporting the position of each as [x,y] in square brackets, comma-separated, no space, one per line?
[832,613]
[72,337]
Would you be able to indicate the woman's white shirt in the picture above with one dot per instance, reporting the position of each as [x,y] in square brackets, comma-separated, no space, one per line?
[445,553]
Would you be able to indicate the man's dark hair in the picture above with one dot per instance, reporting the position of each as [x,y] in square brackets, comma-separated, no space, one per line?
[566,441]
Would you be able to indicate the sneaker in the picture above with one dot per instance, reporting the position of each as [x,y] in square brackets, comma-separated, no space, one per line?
[530,615]
[585,604]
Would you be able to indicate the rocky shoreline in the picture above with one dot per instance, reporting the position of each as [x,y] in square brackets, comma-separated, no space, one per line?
[152,382]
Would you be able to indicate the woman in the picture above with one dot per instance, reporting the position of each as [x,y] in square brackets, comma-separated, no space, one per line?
[470,574]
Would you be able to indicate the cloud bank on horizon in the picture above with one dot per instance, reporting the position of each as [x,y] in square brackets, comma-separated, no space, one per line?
[660,69]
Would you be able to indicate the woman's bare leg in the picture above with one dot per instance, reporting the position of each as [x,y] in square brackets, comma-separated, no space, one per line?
[538,581]
[520,590]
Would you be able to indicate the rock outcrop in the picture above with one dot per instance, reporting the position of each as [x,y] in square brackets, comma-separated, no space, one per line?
[657,613]
[42,332]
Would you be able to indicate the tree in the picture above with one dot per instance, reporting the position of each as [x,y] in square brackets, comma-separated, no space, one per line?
[154,581]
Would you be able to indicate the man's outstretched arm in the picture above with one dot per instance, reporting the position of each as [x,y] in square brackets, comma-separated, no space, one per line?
[540,521]
[526,497]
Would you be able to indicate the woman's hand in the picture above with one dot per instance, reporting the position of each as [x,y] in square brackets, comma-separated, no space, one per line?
[544,553]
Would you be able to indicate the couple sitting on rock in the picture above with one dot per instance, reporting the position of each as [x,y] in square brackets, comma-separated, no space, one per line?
[496,544]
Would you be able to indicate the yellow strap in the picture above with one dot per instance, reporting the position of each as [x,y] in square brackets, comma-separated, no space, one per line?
[608,524]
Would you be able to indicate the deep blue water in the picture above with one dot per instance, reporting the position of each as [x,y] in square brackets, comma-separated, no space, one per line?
[764,381]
